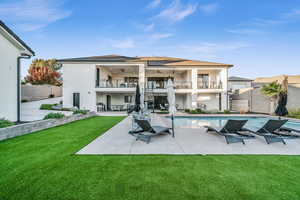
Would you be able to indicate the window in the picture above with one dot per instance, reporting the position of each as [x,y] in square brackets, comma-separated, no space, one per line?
[128,99]
[203,80]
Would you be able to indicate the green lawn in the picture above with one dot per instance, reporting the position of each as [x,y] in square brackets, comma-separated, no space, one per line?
[43,166]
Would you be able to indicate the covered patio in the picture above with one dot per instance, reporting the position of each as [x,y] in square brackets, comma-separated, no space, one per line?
[187,141]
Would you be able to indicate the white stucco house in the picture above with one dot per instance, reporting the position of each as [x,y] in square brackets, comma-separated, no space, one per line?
[110,81]
[12,49]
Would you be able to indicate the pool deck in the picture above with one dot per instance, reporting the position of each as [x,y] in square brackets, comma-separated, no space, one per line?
[187,141]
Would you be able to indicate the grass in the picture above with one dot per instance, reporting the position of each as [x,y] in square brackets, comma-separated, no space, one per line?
[51,107]
[47,106]
[43,166]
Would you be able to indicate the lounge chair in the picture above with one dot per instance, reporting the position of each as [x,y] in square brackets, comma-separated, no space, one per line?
[232,131]
[273,131]
[151,130]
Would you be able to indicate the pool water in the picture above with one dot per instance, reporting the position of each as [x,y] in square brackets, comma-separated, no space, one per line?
[196,122]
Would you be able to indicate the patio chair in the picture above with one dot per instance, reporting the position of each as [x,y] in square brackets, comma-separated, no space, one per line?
[151,130]
[272,131]
[232,131]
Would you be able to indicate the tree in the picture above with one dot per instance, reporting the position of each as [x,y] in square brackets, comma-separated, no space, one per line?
[44,72]
[272,90]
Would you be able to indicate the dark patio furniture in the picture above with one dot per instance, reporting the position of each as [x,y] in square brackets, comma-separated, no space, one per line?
[272,131]
[148,131]
[232,131]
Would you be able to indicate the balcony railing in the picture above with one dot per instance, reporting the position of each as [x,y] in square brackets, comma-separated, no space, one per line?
[163,85]
[209,85]
[115,83]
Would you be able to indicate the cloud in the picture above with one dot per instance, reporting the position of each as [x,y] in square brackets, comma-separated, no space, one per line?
[246,31]
[30,15]
[124,44]
[292,13]
[209,8]
[159,36]
[211,50]
[176,11]
[149,27]
[154,3]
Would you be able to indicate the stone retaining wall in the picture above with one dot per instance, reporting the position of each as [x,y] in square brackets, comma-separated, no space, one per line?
[23,129]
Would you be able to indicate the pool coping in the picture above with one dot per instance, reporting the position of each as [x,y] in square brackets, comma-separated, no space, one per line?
[230,115]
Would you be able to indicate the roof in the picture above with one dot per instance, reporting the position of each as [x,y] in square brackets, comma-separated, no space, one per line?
[236,78]
[294,79]
[152,60]
[10,32]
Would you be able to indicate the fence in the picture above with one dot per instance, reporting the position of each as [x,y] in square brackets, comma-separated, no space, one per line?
[38,92]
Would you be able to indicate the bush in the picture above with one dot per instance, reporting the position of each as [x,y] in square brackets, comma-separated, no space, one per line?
[24,100]
[187,110]
[294,113]
[54,116]
[227,112]
[83,112]
[5,123]
[197,111]
[51,96]
[47,106]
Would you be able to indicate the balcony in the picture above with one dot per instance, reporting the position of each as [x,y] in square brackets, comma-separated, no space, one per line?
[150,85]
[209,85]
[115,83]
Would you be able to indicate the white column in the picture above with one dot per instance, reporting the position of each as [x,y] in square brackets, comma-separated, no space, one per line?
[194,88]
[142,83]
[224,79]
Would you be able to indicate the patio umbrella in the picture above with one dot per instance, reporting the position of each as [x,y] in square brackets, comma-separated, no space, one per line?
[171,101]
[281,109]
[137,99]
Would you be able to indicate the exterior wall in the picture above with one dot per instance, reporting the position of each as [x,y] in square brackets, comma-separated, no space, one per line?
[79,78]
[293,98]
[8,79]
[38,92]
[234,85]
[186,98]
[210,100]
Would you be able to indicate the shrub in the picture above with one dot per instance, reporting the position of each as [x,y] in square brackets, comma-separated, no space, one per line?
[51,96]
[83,112]
[54,116]
[227,112]
[197,111]
[187,110]
[294,113]
[5,123]
[47,106]
[24,100]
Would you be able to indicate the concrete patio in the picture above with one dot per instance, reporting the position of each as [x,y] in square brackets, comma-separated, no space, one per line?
[187,141]
[30,111]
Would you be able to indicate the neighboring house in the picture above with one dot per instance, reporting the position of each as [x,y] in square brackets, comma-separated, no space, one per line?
[262,104]
[12,49]
[110,81]
[236,83]
[245,94]
[240,93]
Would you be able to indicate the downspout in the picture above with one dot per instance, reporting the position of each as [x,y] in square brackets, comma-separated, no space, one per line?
[25,56]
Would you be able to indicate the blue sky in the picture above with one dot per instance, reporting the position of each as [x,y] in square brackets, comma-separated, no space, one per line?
[260,37]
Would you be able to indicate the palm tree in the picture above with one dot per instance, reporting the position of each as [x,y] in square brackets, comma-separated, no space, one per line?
[272,90]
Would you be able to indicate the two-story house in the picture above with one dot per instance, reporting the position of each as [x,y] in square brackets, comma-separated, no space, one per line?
[12,50]
[111,80]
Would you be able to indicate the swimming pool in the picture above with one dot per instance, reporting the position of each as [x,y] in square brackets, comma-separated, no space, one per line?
[196,122]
